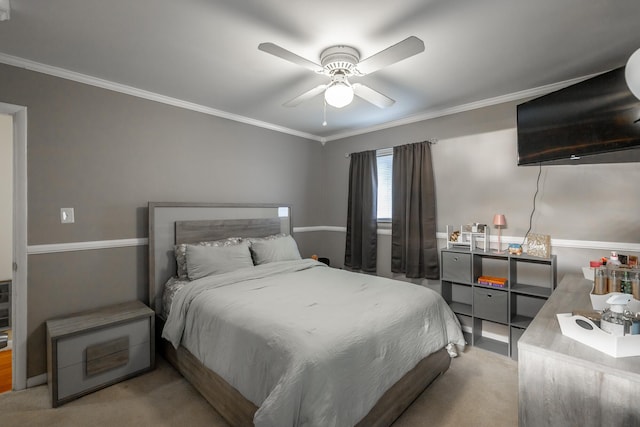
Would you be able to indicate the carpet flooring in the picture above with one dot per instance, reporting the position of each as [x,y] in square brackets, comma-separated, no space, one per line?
[480,389]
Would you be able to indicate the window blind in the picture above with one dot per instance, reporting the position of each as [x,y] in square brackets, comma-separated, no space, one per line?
[385,166]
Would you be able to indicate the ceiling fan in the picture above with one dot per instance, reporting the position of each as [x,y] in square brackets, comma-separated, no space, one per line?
[340,63]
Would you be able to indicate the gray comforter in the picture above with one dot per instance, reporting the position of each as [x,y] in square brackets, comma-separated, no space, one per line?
[308,344]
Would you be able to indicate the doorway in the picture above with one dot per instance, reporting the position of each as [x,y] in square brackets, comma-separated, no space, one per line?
[6,249]
[17,116]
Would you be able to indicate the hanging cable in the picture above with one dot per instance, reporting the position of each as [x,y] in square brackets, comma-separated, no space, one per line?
[534,202]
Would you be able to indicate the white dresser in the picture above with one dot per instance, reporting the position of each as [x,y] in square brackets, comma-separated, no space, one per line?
[93,349]
[563,382]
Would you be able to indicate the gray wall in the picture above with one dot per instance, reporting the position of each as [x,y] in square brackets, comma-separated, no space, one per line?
[107,155]
[476,177]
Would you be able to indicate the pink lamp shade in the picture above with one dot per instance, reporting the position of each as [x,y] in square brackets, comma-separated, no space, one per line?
[499,220]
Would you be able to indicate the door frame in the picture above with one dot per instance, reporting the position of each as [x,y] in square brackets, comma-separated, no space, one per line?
[19,280]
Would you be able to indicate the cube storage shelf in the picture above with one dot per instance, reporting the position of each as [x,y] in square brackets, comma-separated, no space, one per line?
[530,282]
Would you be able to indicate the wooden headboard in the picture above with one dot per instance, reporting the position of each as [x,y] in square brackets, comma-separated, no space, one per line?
[209,230]
[174,223]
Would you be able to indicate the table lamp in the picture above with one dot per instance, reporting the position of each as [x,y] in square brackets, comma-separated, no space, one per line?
[499,221]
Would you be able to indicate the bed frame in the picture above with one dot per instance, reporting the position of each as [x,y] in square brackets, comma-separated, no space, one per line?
[175,223]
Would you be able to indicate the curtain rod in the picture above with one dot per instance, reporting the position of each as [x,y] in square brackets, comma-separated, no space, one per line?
[430,141]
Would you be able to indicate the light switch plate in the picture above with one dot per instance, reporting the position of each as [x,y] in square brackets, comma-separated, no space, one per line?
[67,216]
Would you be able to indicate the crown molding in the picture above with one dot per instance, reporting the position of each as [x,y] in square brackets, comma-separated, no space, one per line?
[435,113]
[140,93]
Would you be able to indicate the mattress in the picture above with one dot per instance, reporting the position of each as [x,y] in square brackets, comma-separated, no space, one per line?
[309,345]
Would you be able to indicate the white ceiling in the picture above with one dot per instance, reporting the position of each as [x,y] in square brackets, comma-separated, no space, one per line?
[203,53]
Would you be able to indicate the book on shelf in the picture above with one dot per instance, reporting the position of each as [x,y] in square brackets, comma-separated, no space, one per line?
[496,282]
[493,285]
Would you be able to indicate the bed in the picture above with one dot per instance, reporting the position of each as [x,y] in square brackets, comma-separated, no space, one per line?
[290,342]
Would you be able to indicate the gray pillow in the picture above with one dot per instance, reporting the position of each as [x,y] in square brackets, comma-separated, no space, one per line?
[283,248]
[180,252]
[271,237]
[208,260]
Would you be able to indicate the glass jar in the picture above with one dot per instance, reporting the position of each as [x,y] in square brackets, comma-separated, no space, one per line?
[614,322]
[631,328]
[625,282]
[600,286]
[635,285]
[614,281]
[635,324]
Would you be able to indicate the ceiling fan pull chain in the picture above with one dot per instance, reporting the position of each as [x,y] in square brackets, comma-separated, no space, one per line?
[324,112]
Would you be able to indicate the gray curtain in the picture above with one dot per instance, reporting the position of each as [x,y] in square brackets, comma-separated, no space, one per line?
[362,225]
[414,249]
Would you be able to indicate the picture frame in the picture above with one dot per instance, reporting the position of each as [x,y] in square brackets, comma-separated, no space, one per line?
[539,245]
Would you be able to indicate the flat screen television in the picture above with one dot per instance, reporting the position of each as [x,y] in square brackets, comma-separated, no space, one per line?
[594,121]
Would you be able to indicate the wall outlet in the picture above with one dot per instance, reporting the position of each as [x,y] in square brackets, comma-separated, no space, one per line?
[67,216]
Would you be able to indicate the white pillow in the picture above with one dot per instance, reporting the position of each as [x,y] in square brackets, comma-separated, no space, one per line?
[208,260]
[271,250]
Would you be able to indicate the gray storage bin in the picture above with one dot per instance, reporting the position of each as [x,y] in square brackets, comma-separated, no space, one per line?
[491,304]
[456,267]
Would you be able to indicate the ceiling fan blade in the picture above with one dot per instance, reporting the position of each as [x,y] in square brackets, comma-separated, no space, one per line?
[396,53]
[280,52]
[305,96]
[372,96]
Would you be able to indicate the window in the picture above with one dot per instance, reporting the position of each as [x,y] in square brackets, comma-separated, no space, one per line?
[385,165]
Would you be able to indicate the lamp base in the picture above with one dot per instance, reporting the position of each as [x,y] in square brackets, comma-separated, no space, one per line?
[499,250]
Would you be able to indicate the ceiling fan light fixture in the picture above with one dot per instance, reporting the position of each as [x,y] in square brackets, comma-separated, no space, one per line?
[338,94]
[632,73]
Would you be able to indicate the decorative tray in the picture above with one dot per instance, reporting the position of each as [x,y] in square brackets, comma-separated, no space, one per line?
[585,331]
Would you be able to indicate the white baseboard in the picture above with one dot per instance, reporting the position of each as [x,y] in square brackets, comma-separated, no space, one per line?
[37,380]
